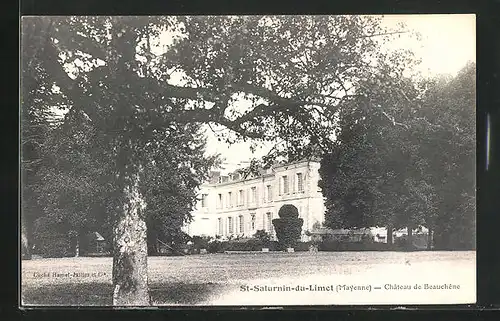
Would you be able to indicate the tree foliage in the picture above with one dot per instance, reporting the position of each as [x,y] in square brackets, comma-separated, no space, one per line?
[178,166]
[36,121]
[409,162]
[450,105]
[78,192]
[263,236]
[288,211]
[77,188]
[288,226]
[295,73]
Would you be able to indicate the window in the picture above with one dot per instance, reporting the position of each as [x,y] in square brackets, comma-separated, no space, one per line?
[300,182]
[253,194]
[240,198]
[204,200]
[230,199]
[269,217]
[219,201]
[242,224]
[220,226]
[285,185]
[252,221]
[269,193]
[230,226]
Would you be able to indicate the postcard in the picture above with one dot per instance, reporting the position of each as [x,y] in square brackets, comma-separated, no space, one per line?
[248,160]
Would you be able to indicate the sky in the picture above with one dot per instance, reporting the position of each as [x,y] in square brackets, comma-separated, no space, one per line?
[447,42]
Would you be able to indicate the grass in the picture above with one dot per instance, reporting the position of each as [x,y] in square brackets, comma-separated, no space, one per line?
[196,279]
[100,294]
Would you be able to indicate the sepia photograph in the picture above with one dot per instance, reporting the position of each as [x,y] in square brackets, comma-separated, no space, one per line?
[247,160]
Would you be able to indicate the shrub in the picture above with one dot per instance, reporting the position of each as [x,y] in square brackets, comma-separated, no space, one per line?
[302,246]
[288,230]
[216,247]
[49,242]
[245,245]
[330,245]
[249,245]
[288,211]
[288,227]
[200,242]
[263,237]
[316,226]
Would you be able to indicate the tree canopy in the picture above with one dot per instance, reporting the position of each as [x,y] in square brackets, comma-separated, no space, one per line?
[420,171]
[296,70]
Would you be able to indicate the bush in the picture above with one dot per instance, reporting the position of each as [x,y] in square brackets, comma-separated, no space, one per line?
[339,246]
[456,239]
[246,245]
[262,236]
[288,227]
[201,242]
[249,245]
[288,211]
[302,246]
[216,247]
[288,230]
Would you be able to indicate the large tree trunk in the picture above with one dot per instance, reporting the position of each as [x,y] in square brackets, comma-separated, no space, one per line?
[130,267]
[429,239]
[390,240]
[410,238]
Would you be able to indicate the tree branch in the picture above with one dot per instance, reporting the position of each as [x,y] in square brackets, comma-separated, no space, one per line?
[56,71]
[172,91]
[383,34]
[83,44]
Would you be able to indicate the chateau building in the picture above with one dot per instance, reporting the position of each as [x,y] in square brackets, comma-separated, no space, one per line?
[231,205]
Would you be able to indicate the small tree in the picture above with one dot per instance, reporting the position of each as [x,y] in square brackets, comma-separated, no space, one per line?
[288,226]
[201,242]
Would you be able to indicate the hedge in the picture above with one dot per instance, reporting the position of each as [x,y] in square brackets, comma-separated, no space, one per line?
[339,246]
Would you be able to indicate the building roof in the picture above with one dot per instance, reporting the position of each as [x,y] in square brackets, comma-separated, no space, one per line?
[98,236]
[240,174]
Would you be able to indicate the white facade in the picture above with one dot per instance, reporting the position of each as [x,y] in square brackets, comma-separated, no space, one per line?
[230,205]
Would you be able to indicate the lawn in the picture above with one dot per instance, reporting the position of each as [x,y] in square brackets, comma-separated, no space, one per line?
[217,278]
